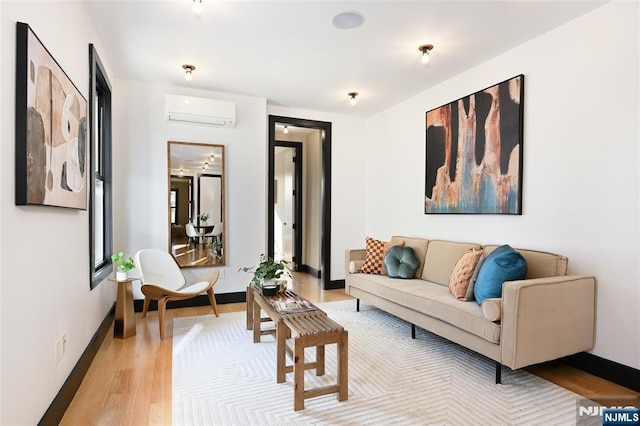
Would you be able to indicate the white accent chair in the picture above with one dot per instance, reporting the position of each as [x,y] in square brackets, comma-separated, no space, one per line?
[162,280]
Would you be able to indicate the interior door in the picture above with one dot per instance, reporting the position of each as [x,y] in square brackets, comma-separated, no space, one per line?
[285,203]
[287,208]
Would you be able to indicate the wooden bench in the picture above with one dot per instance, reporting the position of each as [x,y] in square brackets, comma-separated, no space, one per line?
[313,330]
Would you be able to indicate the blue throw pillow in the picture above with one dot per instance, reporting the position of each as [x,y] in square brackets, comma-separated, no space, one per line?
[401,262]
[502,264]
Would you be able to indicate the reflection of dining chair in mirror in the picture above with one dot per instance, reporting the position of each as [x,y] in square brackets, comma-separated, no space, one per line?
[162,280]
[192,233]
[215,233]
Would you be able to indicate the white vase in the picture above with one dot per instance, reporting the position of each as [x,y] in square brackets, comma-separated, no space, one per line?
[122,275]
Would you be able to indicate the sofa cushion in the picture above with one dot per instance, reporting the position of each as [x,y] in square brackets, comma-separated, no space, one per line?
[540,264]
[441,258]
[376,251]
[401,262]
[419,246]
[433,299]
[460,279]
[502,264]
[492,309]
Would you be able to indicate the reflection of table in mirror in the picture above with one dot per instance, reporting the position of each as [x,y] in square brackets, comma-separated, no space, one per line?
[124,325]
[204,229]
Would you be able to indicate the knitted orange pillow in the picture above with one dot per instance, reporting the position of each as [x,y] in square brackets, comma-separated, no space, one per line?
[460,278]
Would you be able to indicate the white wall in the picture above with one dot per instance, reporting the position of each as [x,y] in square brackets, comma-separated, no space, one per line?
[44,250]
[348,180]
[581,159]
[140,175]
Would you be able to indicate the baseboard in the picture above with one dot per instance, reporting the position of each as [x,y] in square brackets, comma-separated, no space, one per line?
[61,402]
[311,271]
[612,371]
[335,285]
[201,300]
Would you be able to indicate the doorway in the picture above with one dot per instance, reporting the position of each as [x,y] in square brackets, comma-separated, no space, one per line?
[323,209]
[287,203]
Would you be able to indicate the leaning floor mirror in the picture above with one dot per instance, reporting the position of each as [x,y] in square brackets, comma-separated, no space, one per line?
[196,204]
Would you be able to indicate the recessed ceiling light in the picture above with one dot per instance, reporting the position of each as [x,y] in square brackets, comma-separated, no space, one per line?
[348,20]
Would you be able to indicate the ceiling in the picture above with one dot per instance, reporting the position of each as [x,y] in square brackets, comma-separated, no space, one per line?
[290,53]
[191,158]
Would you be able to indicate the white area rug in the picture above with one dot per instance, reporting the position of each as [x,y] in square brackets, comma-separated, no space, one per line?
[220,377]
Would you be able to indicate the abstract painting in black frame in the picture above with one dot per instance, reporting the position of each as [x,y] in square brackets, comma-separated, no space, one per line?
[51,129]
[474,152]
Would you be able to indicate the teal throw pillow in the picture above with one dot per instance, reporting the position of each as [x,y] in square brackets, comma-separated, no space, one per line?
[401,262]
[502,264]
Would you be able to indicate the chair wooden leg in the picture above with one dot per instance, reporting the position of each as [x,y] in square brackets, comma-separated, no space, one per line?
[145,306]
[162,306]
[212,300]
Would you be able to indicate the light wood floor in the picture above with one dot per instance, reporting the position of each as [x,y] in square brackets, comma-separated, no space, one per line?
[129,381]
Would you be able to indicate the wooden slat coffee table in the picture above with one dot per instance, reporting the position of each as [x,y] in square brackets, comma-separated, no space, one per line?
[312,328]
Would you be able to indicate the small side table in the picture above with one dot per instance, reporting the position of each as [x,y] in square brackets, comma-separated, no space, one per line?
[125,322]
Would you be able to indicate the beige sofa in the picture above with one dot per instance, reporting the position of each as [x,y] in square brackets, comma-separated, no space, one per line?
[544,317]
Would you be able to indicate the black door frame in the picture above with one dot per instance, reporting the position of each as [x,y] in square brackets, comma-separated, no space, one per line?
[325,136]
[299,192]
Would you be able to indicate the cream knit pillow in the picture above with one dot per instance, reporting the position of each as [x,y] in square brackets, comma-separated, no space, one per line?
[459,281]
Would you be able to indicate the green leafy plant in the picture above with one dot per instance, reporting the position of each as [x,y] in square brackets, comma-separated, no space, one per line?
[204,217]
[124,265]
[216,246]
[268,269]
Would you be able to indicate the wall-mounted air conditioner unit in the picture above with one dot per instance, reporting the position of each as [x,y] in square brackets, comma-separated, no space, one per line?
[208,112]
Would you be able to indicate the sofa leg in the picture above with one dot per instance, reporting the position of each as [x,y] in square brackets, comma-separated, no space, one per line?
[498,373]
[413,331]
[357,305]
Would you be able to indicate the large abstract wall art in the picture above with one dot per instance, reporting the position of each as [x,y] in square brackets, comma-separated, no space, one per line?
[51,129]
[474,152]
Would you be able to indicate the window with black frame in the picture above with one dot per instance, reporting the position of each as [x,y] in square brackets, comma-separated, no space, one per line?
[101,244]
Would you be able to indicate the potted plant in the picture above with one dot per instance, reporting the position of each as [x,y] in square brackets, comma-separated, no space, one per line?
[204,217]
[123,265]
[268,270]
[216,248]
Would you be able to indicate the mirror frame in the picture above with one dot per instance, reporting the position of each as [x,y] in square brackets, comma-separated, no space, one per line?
[222,199]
